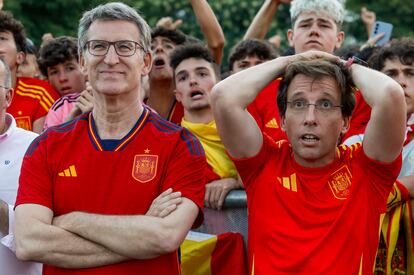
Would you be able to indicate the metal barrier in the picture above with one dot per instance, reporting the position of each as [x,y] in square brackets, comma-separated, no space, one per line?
[233,217]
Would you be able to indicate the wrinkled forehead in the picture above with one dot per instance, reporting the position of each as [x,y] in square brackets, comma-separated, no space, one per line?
[321,16]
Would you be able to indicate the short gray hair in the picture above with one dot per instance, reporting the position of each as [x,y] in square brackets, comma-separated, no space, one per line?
[110,12]
[7,74]
[333,8]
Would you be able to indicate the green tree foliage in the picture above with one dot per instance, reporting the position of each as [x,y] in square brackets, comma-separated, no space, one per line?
[61,17]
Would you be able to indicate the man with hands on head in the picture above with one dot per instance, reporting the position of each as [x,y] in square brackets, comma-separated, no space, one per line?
[86,214]
[306,195]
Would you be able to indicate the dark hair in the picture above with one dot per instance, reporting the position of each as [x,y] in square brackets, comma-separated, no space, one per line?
[251,47]
[317,69]
[403,49]
[176,36]
[56,51]
[192,50]
[9,23]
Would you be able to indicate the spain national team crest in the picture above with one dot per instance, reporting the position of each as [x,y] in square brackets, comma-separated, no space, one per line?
[144,167]
[340,182]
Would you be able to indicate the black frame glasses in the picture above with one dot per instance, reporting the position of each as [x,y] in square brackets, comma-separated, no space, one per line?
[7,88]
[122,47]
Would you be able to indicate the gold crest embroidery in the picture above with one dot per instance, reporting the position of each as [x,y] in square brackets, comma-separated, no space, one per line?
[144,167]
[340,182]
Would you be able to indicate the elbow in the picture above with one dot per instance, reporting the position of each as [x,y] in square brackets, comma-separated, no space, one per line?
[218,43]
[24,251]
[171,241]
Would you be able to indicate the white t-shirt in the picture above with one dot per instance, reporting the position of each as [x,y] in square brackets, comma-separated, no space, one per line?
[13,146]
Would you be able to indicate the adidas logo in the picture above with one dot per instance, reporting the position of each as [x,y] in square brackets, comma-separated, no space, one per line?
[70,172]
[272,124]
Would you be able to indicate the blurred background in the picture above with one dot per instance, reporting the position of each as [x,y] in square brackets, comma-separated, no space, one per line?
[60,17]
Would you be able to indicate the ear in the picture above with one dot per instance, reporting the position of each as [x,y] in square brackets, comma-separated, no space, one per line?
[147,63]
[9,97]
[346,124]
[283,123]
[21,56]
[83,65]
[290,35]
[340,37]
[178,95]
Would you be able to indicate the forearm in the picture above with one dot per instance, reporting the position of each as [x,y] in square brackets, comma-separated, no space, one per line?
[210,27]
[261,22]
[242,88]
[138,236]
[4,218]
[45,243]
[376,87]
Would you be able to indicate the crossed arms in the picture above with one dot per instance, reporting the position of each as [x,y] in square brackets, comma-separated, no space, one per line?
[81,240]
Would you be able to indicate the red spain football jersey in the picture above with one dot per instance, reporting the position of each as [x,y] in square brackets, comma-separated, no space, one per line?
[68,169]
[177,113]
[32,100]
[314,220]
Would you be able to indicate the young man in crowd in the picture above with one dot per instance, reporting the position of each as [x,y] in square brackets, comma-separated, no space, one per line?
[306,195]
[58,61]
[13,144]
[195,74]
[32,97]
[87,214]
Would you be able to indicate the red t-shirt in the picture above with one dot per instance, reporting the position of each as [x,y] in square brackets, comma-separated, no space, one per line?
[314,220]
[265,111]
[177,113]
[67,169]
[360,117]
[32,100]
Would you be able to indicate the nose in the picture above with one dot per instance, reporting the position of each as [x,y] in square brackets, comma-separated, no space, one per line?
[401,79]
[193,80]
[310,116]
[63,76]
[111,57]
[314,30]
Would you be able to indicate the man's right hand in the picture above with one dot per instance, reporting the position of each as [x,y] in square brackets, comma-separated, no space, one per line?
[164,204]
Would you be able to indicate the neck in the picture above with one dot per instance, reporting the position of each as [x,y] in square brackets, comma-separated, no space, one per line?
[203,116]
[115,117]
[161,96]
[14,78]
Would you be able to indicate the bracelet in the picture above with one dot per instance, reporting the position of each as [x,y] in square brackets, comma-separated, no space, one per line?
[354,60]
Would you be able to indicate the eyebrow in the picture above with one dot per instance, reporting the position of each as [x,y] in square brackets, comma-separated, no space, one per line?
[317,19]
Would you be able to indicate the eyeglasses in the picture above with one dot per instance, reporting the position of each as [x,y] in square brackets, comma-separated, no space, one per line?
[123,48]
[4,87]
[323,106]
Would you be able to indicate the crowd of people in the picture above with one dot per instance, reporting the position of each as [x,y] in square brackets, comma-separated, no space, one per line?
[112,143]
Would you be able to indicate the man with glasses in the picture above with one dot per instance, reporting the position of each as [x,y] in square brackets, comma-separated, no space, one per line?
[89,187]
[13,144]
[314,206]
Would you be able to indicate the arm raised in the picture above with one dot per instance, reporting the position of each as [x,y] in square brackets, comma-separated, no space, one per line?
[384,135]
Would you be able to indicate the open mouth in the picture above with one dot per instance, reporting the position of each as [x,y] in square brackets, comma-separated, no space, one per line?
[309,138]
[196,94]
[159,63]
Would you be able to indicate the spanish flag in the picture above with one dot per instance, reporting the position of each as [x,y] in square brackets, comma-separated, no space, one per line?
[205,254]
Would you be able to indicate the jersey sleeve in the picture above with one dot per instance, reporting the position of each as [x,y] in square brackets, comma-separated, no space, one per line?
[35,182]
[186,171]
[381,177]
[249,168]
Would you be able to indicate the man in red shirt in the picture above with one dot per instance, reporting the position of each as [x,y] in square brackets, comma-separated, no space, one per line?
[32,98]
[85,214]
[314,207]
[316,25]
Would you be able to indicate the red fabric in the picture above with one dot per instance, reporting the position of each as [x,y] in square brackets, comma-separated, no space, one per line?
[177,113]
[228,255]
[210,174]
[32,99]
[360,117]
[154,156]
[265,111]
[314,220]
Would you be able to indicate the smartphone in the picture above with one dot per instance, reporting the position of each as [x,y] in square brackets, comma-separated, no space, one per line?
[382,27]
